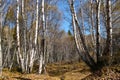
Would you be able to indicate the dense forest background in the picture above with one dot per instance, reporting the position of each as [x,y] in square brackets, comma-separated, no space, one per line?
[38,33]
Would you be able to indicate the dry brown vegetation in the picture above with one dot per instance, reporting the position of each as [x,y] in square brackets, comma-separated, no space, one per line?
[66,71]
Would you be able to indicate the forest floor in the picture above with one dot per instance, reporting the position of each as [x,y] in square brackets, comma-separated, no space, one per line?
[66,71]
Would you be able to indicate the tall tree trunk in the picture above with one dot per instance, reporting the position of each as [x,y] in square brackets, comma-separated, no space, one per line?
[25,37]
[34,50]
[17,30]
[92,23]
[92,30]
[18,39]
[84,55]
[82,20]
[108,48]
[42,55]
[98,2]
[0,43]
[2,5]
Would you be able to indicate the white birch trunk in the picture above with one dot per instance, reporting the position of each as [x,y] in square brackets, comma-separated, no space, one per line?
[110,16]
[17,30]
[2,5]
[33,52]
[84,55]
[36,31]
[43,25]
[42,55]
[92,30]
[31,60]
[18,38]
[92,23]
[40,64]
[0,44]
[25,58]
[98,2]
[108,48]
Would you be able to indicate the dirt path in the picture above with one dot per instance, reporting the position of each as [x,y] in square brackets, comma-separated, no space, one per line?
[76,75]
[76,71]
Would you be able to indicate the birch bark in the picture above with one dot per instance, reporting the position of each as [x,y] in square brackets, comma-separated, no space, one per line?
[108,48]
[2,5]
[33,51]
[18,39]
[0,43]
[84,55]
[98,2]
[42,55]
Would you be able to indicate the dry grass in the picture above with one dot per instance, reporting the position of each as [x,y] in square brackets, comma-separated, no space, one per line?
[65,71]
[57,71]
[75,71]
[18,76]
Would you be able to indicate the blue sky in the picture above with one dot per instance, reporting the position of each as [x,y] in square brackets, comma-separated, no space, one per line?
[63,7]
[65,24]
[66,14]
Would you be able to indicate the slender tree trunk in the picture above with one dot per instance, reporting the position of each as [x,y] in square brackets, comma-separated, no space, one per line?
[17,30]
[92,30]
[108,48]
[98,2]
[42,55]
[2,5]
[11,64]
[92,23]
[25,37]
[0,44]
[82,20]
[111,30]
[18,33]
[18,39]
[31,49]
[34,50]
[84,55]
[36,31]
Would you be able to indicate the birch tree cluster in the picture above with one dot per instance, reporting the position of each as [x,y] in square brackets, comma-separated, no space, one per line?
[95,18]
[31,35]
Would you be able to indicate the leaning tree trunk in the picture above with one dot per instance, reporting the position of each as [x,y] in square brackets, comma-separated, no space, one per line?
[91,20]
[98,29]
[108,47]
[85,54]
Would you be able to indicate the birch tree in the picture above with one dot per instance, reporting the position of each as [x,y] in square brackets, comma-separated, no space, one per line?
[108,47]
[0,41]
[77,31]
[2,5]
[92,30]
[98,2]
[42,55]
[25,55]
[92,23]
[19,53]
[17,30]
[33,51]
[80,41]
